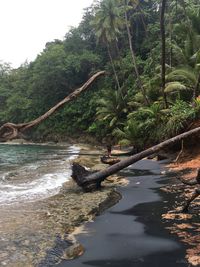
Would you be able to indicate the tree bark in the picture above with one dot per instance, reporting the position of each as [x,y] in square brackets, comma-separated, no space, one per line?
[196,88]
[98,177]
[163,49]
[9,131]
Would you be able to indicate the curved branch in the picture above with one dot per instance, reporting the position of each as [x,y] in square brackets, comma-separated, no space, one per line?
[9,131]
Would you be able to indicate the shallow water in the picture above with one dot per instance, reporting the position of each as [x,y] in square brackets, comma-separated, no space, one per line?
[30,172]
[39,206]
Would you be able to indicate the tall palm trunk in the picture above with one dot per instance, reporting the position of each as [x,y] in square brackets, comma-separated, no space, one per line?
[113,66]
[196,88]
[117,48]
[163,50]
[171,41]
[134,58]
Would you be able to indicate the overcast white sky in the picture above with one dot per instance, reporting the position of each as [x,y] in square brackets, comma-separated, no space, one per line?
[27,25]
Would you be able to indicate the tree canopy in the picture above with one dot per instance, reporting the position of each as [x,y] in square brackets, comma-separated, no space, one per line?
[150,51]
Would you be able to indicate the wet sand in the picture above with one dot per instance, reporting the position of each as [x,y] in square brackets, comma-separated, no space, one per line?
[132,233]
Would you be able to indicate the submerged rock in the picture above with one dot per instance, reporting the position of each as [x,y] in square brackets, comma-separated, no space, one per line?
[73,252]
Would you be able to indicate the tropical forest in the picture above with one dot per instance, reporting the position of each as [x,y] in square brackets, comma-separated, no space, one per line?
[122,88]
[150,51]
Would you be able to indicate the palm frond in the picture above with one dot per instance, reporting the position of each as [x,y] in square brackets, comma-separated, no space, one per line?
[175,86]
[182,74]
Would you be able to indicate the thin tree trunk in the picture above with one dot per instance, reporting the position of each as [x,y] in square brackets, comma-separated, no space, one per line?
[163,52]
[143,22]
[9,131]
[96,178]
[196,88]
[134,58]
[117,49]
[171,40]
[113,67]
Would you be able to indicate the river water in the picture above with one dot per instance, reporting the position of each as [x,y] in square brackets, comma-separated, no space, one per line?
[29,172]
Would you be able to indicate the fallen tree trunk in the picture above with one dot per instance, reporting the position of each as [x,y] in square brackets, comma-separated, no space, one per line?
[9,131]
[95,179]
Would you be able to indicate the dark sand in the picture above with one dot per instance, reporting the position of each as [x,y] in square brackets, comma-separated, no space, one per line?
[132,233]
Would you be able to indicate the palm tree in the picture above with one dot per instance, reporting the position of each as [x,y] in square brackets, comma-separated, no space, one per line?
[187,75]
[127,7]
[107,24]
[179,117]
[130,135]
[163,44]
[182,79]
[112,107]
[150,120]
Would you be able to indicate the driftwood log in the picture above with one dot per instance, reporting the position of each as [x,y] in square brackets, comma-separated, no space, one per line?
[78,175]
[9,131]
[196,192]
[96,178]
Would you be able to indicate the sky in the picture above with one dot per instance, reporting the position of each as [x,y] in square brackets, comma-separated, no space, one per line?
[27,25]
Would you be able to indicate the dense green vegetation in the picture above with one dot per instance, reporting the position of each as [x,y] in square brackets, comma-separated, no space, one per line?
[152,87]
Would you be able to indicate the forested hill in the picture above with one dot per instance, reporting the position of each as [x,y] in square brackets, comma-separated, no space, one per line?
[151,53]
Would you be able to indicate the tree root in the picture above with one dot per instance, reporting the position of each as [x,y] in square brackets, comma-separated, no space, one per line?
[181,152]
[193,197]
[196,192]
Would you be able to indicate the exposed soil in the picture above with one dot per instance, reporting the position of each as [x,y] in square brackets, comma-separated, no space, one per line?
[186,225]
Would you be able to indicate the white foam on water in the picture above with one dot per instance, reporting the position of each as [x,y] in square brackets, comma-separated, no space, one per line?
[46,185]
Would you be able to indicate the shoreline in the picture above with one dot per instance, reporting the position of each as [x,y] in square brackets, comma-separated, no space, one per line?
[131,233]
[60,215]
[185,226]
[34,228]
